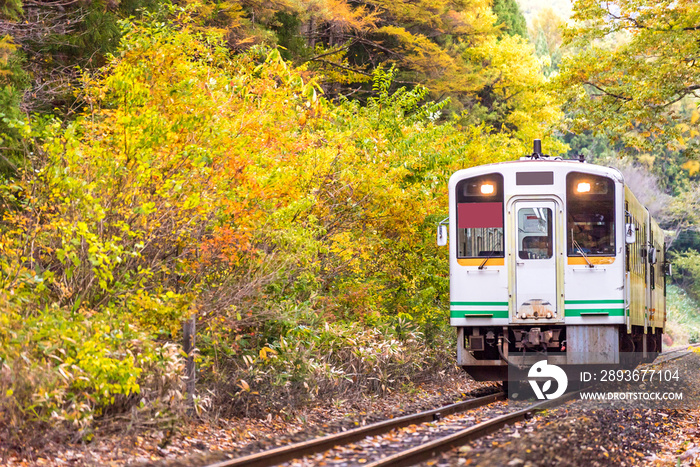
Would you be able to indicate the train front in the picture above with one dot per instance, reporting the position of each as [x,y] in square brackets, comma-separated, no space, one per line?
[537,266]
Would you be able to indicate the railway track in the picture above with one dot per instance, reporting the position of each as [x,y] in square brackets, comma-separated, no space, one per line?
[445,443]
[428,446]
[450,417]
[307,448]
[682,352]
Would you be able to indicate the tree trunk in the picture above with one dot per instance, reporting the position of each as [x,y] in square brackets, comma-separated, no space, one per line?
[188,333]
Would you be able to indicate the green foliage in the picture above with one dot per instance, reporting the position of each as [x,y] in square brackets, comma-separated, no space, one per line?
[13,80]
[293,45]
[65,366]
[686,240]
[509,15]
[683,316]
[688,266]
[11,9]
[694,337]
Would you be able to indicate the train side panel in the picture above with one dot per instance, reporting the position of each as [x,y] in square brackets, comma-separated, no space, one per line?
[638,217]
[657,279]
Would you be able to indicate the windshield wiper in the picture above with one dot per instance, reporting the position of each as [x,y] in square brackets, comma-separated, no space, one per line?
[580,250]
[484,263]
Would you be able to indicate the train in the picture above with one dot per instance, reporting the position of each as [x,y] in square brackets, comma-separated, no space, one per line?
[555,259]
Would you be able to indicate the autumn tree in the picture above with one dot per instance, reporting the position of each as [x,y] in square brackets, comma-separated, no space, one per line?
[57,37]
[456,49]
[449,46]
[635,77]
[45,46]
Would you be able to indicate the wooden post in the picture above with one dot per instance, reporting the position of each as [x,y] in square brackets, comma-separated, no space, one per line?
[188,333]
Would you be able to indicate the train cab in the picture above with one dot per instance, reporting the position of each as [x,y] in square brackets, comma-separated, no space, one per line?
[551,257]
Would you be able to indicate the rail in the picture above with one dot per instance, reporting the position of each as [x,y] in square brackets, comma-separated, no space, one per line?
[306,448]
[431,449]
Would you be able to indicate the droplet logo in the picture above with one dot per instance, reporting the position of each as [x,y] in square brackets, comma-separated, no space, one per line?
[541,370]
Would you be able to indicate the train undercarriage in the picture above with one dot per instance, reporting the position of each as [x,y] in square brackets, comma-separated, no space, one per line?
[502,353]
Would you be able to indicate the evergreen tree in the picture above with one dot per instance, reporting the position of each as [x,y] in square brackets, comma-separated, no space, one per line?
[510,16]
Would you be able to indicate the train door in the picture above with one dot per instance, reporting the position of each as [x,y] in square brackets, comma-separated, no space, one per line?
[535,260]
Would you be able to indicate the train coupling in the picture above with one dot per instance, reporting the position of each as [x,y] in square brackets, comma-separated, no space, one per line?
[536,338]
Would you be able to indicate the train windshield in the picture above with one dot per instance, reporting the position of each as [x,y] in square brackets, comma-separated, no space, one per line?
[590,206]
[535,233]
[480,217]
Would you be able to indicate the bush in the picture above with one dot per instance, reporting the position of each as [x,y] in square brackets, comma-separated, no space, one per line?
[313,360]
[683,316]
[64,368]
[688,271]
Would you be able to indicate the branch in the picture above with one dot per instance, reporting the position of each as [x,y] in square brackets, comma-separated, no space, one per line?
[636,24]
[7,161]
[364,41]
[52,4]
[332,52]
[682,94]
[616,96]
[624,18]
[337,65]
[413,83]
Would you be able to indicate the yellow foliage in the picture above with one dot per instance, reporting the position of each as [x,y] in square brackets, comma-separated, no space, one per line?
[647,160]
[196,179]
[265,351]
[7,48]
[692,167]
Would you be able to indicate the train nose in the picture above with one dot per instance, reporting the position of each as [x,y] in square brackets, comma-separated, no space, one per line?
[535,309]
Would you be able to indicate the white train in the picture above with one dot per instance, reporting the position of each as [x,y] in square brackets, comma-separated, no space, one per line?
[552,257]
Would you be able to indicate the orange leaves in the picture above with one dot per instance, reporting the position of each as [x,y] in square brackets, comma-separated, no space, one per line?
[225,246]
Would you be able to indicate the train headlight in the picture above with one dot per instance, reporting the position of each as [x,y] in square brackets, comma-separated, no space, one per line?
[487,189]
[583,187]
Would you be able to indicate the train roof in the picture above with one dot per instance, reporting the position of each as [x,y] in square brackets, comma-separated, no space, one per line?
[536,165]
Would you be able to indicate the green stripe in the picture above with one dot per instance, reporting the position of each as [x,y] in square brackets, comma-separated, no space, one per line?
[593,311]
[479,314]
[575,302]
[479,303]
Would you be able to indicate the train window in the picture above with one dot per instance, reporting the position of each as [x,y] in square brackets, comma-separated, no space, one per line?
[535,233]
[628,220]
[590,207]
[480,217]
